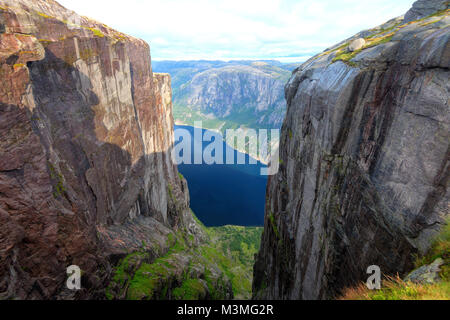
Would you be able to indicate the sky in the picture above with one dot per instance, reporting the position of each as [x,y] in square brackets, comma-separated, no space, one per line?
[285,30]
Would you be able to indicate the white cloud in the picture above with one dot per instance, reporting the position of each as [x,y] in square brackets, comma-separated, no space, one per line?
[213,29]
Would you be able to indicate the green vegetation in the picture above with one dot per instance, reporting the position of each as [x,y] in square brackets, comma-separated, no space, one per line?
[372,41]
[18,65]
[170,190]
[149,281]
[231,249]
[440,13]
[189,116]
[122,270]
[191,289]
[439,249]
[87,53]
[45,42]
[245,118]
[380,37]
[397,289]
[44,15]
[188,77]
[147,278]
[96,32]
[55,175]
[274,225]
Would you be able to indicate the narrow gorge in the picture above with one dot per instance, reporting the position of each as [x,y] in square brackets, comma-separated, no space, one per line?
[87,177]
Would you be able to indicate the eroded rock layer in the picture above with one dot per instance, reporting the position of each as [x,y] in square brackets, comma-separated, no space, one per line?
[85,170]
[364,161]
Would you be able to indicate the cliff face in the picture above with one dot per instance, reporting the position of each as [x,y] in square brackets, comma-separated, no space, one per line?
[233,94]
[85,170]
[364,161]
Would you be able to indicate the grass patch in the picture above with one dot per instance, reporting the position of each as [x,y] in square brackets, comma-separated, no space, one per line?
[233,249]
[147,279]
[18,65]
[372,41]
[191,289]
[439,249]
[45,42]
[44,15]
[397,289]
[170,191]
[274,225]
[147,282]
[96,32]
[382,36]
[56,176]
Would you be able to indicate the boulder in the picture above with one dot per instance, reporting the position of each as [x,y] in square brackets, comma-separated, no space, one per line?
[357,44]
[426,274]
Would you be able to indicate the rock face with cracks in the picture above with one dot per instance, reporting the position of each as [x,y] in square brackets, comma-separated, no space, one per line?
[86,176]
[364,161]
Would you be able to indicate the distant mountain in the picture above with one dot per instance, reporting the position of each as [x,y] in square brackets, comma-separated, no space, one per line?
[228,94]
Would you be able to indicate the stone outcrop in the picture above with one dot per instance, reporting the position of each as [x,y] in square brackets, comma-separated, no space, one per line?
[85,170]
[424,8]
[427,274]
[364,162]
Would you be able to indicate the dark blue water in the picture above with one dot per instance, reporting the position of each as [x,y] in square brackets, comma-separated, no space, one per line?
[224,194]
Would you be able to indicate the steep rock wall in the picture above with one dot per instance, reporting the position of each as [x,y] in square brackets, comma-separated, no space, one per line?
[85,170]
[247,95]
[364,162]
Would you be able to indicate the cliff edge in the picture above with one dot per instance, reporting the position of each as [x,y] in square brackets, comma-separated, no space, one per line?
[86,176]
[364,160]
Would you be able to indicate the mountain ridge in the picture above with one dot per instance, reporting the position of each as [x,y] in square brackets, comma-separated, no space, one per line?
[228,95]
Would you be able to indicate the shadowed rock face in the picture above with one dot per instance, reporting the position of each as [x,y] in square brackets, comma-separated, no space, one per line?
[365,162]
[85,169]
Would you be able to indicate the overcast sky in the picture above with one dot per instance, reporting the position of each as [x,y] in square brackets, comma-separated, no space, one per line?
[232,29]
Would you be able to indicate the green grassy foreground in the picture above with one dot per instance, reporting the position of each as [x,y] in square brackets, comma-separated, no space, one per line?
[229,248]
[234,248]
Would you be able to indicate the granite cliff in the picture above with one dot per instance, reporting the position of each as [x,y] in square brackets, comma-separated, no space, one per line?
[364,160]
[228,94]
[85,171]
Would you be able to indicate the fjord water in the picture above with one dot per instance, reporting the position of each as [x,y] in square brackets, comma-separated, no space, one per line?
[224,194]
